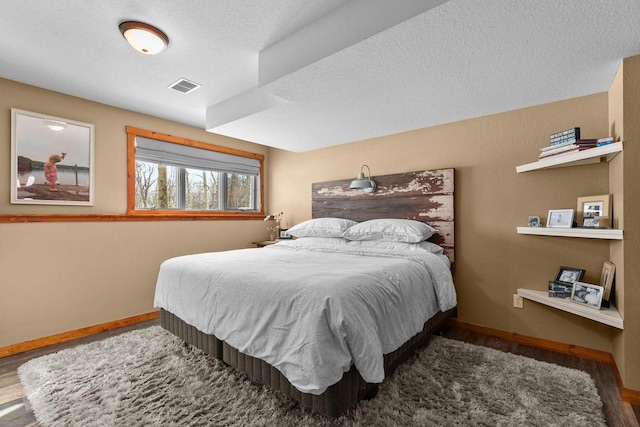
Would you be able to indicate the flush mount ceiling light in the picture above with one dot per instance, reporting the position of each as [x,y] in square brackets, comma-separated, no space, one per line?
[55,125]
[362,183]
[143,37]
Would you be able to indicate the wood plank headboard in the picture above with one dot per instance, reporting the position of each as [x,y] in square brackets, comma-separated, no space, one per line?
[425,196]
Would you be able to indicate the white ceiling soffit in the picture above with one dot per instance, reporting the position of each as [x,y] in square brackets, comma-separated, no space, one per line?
[305,74]
[455,61]
[352,23]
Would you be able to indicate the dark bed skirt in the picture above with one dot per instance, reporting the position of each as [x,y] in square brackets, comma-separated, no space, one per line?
[336,400]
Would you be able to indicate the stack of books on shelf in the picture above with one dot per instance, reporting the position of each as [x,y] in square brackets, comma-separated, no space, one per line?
[569,141]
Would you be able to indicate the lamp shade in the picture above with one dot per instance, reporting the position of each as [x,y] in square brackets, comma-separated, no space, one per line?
[362,183]
[143,37]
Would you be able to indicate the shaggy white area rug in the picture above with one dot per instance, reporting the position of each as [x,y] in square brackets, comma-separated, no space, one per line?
[150,378]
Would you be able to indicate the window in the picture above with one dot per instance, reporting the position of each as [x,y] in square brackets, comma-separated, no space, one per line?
[176,176]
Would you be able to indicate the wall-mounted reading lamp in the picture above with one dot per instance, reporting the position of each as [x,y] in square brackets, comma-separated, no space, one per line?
[362,183]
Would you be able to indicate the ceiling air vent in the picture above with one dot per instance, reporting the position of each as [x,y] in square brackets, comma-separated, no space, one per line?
[185,86]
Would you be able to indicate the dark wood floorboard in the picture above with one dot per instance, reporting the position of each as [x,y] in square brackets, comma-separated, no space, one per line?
[17,412]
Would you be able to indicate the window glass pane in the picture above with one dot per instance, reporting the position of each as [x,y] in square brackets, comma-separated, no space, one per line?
[239,192]
[156,186]
[202,190]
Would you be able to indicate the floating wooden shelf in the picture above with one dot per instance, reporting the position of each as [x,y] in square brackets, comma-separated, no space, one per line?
[589,233]
[608,316]
[592,155]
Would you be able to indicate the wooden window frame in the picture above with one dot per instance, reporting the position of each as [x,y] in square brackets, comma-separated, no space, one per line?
[132,133]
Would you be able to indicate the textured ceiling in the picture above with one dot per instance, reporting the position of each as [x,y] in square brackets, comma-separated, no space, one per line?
[305,74]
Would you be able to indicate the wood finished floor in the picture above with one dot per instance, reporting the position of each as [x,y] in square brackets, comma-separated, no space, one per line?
[15,410]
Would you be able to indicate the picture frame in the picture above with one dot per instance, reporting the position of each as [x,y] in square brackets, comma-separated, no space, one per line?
[52,160]
[606,279]
[569,275]
[593,206]
[560,289]
[560,218]
[534,221]
[588,222]
[587,294]
[284,234]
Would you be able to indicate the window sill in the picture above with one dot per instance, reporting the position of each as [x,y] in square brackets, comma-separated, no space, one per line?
[156,216]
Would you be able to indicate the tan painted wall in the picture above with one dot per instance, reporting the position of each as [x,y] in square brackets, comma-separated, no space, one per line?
[58,277]
[491,200]
[631,178]
[616,187]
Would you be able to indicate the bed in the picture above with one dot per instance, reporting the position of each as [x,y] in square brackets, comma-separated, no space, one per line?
[341,313]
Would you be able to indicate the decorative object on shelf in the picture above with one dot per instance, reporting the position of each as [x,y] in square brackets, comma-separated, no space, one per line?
[560,289]
[569,275]
[589,223]
[52,160]
[606,279]
[534,221]
[565,137]
[284,234]
[592,207]
[274,230]
[587,294]
[362,183]
[560,218]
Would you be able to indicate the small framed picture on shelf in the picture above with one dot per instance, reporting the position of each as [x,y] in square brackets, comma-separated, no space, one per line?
[606,279]
[560,289]
[284,234]
[569,275]
[534,221]
[593,206]
[560,218]
[587,294]
[588,222]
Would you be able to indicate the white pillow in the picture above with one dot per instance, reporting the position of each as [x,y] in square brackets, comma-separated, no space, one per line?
[390,230]
[313,242]
[398,246]
[321,227]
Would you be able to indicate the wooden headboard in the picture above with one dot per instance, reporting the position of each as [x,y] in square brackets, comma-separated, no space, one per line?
[425,196]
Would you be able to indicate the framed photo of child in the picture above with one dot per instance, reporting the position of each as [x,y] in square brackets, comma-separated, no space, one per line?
[52,160]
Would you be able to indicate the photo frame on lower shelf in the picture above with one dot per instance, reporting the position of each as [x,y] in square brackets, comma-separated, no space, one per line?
[606,279]
[560,289]
[587,294]
[569,275]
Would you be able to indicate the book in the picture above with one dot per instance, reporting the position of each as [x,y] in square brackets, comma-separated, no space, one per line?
[561,153]
[560,149]
[564,136]
[571,149]
[553,147]
[586,141]
[604,141]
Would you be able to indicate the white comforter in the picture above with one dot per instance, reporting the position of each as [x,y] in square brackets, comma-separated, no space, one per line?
[310,313]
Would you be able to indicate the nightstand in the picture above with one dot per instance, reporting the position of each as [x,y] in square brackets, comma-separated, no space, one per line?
[263,243]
